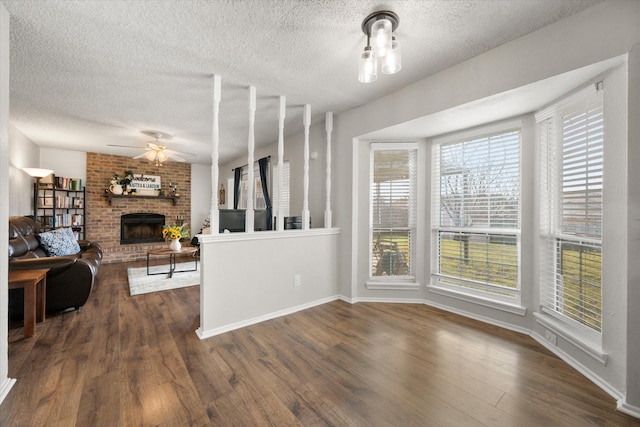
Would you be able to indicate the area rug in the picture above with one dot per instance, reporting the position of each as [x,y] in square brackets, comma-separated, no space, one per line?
[141,283]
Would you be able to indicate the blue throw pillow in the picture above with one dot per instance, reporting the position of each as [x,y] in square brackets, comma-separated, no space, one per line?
[59,242]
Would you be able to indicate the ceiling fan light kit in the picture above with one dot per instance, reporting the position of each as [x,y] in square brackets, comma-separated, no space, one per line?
[157,153]
[380,27]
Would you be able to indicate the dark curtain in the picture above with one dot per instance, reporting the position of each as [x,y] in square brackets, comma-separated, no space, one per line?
[237,175]
[263,164]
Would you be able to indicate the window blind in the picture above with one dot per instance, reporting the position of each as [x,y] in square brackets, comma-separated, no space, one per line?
[393,210]
[476,213]
[572,164]
[285,203]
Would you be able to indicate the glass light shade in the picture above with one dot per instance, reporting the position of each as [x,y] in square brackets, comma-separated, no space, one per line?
[38,172]
[367,69]
[162,156]
[392,62]
[381,37]
[150,155]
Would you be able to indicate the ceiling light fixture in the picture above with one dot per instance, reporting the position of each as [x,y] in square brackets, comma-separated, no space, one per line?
[156,153]
[379,27]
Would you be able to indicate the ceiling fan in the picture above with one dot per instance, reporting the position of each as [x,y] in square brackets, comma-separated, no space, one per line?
[155,152]
[159,153]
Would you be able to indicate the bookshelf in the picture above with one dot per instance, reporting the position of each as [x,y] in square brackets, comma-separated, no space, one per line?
[60,203]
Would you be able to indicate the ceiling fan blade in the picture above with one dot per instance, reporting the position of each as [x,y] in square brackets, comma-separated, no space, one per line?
[176,158]
[139,156]
[137,147]
[179,153]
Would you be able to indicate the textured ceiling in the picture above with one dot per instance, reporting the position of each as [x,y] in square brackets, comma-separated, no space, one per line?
[86,74]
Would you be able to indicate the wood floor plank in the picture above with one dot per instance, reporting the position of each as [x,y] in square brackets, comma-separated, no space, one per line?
[135,361]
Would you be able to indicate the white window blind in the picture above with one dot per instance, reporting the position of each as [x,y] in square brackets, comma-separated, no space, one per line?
[572,148]
[476,209]
[393,210]
[285,203]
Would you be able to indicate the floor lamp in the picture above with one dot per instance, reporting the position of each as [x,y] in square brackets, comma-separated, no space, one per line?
[38,174]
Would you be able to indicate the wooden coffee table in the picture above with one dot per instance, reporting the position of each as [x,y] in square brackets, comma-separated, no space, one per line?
[34,283]
[189,250]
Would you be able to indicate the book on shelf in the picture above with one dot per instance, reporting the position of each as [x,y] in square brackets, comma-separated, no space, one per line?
[73,184]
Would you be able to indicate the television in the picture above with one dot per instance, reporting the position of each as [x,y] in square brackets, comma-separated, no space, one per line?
[234,220]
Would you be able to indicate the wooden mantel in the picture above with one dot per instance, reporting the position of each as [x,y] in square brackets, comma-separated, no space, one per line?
[128,196]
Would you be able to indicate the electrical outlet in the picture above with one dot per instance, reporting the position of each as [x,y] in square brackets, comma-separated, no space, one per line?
[551,337]
[297,281]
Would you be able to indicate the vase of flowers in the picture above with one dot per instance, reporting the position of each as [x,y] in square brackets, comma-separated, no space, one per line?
[119,182]
[174,233]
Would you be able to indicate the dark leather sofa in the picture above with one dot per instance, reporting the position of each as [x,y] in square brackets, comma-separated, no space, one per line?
[70,278]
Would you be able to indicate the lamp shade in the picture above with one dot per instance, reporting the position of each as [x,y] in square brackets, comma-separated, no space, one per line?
[367,68]
[38,172]
[381,37]
[392,62]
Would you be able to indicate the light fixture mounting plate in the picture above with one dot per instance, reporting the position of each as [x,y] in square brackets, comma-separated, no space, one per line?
[375,16]
[156,134]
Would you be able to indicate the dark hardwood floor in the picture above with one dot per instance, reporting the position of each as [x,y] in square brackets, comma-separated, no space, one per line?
[131,361]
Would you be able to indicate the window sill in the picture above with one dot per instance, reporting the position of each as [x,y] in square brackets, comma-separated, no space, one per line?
[568,334]
[399,285]
[486,302]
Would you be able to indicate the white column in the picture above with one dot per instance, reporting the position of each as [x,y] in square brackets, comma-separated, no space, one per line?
[278,209]
[214,215]
[305,182]
[328,123]
[250,149]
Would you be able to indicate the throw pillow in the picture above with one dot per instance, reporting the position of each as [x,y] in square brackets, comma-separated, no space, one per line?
[59,242]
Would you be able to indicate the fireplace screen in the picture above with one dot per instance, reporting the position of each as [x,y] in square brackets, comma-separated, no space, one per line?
[141,228]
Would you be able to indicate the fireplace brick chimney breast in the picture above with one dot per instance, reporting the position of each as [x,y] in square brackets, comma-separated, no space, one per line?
[102,219]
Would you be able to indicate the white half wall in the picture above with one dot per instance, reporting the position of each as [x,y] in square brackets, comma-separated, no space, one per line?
[248,278]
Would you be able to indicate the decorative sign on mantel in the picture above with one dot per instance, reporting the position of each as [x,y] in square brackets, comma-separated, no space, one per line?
[145,183]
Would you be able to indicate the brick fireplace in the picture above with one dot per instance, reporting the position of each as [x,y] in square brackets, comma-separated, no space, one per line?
[102,217]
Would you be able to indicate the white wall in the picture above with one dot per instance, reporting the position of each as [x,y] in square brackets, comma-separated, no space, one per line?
[5,382]
[23,153]
[64,163]
[633,241]
[200,196]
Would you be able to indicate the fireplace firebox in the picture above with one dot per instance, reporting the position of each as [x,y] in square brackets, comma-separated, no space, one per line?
[141,228]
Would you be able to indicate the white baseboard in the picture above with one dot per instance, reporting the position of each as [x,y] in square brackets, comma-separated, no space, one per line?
[605,386]
[5,387]
[233,326]
[624,407]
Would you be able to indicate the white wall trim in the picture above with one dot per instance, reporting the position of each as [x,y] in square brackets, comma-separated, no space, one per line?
[266,235]
[486,302]
[6,387]
[480,318]
[625,408]
[608,388]
[263,318]
[355,195]
[559,329]
[394,286]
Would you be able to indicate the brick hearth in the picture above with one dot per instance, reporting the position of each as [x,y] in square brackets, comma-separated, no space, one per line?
[102,220]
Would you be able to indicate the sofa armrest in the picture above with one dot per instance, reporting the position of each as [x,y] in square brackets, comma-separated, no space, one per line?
[55,264]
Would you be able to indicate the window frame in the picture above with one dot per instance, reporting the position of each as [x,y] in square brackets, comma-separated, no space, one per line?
[408,281]
[483,293]
[552,234]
